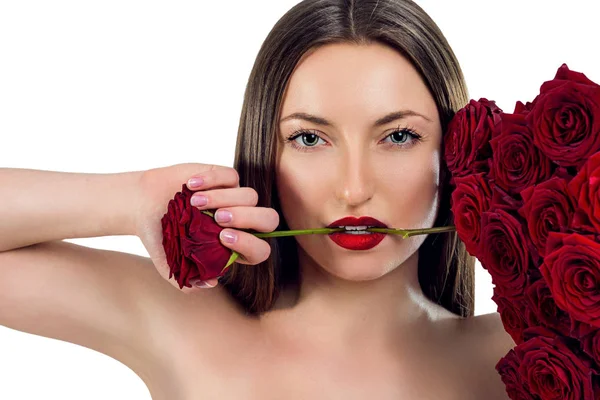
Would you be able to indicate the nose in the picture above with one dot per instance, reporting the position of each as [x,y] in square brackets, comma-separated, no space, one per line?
[356,178]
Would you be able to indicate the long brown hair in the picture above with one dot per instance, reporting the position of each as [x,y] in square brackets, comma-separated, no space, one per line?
[446,270]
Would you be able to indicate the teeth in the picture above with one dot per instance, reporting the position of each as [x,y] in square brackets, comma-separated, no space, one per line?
[355,228]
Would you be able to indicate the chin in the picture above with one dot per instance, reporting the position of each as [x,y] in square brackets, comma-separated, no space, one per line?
[357,273]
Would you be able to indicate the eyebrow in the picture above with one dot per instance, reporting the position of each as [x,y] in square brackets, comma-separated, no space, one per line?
[386,119]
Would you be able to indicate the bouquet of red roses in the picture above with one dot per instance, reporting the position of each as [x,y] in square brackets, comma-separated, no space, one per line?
[526,204]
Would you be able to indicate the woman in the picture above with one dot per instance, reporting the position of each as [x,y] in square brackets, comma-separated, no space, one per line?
[343,116]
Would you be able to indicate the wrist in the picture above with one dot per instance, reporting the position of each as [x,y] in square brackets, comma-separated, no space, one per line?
[122,203]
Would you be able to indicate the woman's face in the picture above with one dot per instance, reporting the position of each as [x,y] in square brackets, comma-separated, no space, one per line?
[355,167]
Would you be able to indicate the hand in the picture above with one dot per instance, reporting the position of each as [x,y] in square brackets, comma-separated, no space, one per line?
[221,187]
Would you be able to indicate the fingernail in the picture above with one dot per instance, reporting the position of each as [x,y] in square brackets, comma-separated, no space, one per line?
[199,200]
[223,216]
[200,284]
[195,182]
[228,237]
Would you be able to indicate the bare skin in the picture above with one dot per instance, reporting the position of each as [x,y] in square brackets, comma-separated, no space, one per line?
[228,355]
[357,326]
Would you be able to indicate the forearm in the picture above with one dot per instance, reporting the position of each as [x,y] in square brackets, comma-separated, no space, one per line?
[39,206]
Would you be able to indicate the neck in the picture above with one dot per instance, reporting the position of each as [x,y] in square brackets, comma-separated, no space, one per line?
[334,312]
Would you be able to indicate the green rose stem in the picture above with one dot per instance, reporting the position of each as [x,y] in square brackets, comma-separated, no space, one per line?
[325,231]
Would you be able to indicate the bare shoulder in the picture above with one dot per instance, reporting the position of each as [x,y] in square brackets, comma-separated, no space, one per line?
[183,327]
[180,328]
[491,327]
[171,312]
[488,342]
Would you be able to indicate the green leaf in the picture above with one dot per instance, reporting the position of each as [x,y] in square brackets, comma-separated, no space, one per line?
[234,256]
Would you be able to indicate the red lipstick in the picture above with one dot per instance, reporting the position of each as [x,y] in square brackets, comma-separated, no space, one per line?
[361,240]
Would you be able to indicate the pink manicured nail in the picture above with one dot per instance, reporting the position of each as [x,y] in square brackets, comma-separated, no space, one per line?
[199,200]
[223,216]
[228,237]
[195,182]
[200,284]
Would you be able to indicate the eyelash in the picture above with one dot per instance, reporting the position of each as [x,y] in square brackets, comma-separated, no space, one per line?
[407,130]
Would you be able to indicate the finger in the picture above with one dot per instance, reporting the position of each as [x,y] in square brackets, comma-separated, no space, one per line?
[207,284]
[197,285]
[262,219]
[212,282]
[212,199]
[217,177]
[251,249]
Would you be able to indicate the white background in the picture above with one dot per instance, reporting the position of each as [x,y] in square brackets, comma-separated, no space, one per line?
[128,85]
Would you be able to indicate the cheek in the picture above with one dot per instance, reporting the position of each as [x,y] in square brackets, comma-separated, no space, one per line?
[414,189]
[298,189]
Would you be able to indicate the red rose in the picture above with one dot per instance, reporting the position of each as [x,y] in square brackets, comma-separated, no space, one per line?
[504,252]
[552,370]
[470,198]
[572,270]
[547,207]
[542,309]
[590,344]
[503,200]
[585,187]
[466,142]
[579,329]
[565,118]
[521,108]
[517,163]
[516,386]
[564,73]
[512,314]
[191,241]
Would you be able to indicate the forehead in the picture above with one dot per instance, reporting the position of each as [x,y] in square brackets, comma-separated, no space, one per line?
[356,80]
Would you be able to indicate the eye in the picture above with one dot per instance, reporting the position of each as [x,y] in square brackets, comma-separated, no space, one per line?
[401,138]
[404,135]
[308,137]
